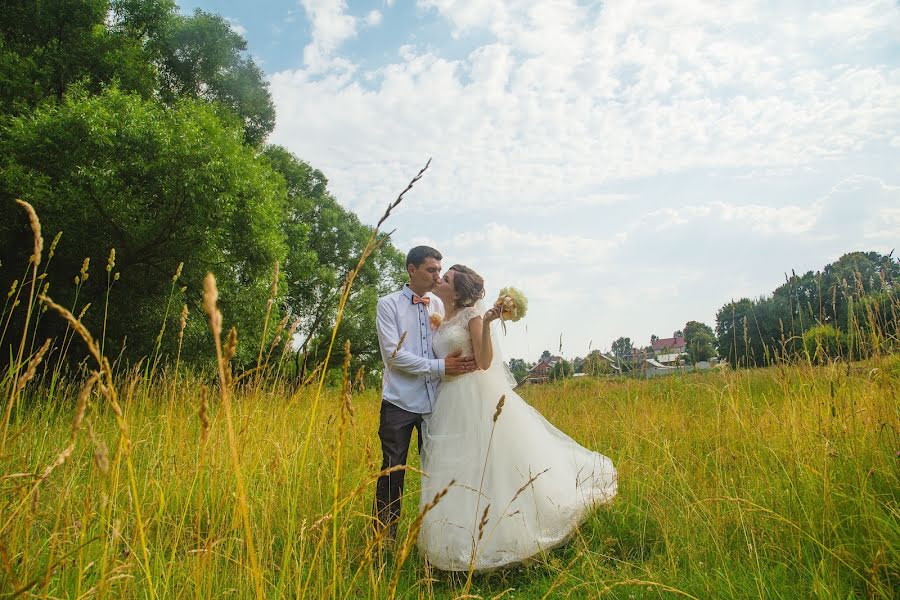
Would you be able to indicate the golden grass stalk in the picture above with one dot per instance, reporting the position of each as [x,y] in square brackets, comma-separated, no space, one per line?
[36,359]
[497,412]
[371,245]
[346,414]
[110,265]
[210,299]
[411,536]
[109,391]
[273,293]
[35,261]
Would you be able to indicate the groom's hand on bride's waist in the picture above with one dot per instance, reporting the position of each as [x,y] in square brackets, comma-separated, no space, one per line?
[456,364]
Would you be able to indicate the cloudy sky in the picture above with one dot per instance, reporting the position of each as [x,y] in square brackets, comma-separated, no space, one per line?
[630,165]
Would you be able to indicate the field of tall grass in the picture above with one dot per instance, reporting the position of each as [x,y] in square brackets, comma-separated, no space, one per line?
[780,482]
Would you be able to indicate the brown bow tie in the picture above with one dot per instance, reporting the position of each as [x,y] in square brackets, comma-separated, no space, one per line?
[417,300]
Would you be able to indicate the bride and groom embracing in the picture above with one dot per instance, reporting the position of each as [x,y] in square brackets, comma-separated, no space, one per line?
[513,485]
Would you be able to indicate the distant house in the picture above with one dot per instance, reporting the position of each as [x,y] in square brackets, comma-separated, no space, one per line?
[540,373]
[669,351]
[636,355]
[653,368]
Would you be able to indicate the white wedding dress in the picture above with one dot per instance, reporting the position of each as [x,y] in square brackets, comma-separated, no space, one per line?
[521,485]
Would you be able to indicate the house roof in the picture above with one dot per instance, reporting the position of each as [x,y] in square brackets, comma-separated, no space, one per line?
[545,364]
[658,365]
[672,342]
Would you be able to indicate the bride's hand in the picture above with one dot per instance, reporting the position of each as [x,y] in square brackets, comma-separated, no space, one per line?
[491,315]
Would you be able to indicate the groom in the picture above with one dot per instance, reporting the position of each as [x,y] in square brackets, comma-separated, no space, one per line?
[411,376]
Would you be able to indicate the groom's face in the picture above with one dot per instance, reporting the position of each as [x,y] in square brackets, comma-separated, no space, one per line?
[423,277]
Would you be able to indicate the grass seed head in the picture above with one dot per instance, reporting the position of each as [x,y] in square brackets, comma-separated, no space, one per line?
[399,344]
[499,407]
[77,326]
[35,230]
[483,523]
[101,453]
[111,261]
[210,298]
[53,245]
[32,366]
[231,344]
[83,397]
[184,316]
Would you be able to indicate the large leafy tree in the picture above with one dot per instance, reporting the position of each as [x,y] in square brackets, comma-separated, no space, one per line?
[200,56]
[159,185]
[519,368]
[700,341]
[621,347]
[131,126]
[45,47]
[325,241]
[144,46]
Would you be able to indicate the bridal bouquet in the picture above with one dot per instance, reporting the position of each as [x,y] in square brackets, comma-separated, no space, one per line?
[512,304]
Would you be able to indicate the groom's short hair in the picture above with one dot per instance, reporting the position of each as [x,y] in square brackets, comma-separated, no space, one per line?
[417,255]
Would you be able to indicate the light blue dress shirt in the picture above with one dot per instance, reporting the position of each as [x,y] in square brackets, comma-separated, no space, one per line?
[412,374]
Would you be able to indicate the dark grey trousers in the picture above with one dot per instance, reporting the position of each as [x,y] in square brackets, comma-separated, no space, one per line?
[395,431]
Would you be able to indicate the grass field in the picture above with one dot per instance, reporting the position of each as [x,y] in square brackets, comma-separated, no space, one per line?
[774,483]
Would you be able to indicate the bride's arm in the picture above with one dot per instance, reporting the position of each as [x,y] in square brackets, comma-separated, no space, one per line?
[480,332]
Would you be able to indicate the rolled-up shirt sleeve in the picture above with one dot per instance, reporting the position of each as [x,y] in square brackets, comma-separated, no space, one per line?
[392,351]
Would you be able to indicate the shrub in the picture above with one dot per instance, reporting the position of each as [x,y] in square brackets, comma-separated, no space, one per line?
[823,343]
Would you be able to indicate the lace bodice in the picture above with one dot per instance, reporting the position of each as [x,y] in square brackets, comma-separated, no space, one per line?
[453,334]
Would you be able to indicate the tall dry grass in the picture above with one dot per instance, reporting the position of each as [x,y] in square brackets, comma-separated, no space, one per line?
[776,482]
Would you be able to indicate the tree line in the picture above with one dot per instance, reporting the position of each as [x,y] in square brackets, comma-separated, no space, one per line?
[139,136]
[848,310]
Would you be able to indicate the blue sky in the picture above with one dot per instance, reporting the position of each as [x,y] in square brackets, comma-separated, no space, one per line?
[629,165]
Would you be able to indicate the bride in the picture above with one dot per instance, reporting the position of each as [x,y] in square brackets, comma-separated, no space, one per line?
[515,485]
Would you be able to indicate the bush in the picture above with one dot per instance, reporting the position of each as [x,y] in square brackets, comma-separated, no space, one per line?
[823,343]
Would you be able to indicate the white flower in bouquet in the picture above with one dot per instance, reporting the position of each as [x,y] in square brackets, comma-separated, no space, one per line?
[512,304]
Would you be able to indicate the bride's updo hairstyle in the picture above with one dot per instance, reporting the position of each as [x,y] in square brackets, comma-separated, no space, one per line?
[468,284]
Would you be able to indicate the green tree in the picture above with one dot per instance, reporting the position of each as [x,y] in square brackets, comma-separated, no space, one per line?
[561,370]
[621,348]
[143,46]
[700,341]
[578,364]
[519,368]
[545,355]
[595,364]
[200,56]
[823,343]
[45,47]
[159,185]
[324,244]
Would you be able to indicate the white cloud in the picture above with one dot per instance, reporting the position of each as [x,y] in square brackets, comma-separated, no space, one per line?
[373,18]
[566,100]
[547,136]
[331,26]
[237,27]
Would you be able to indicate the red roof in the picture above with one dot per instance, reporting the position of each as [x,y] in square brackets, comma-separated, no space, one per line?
[671,343]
